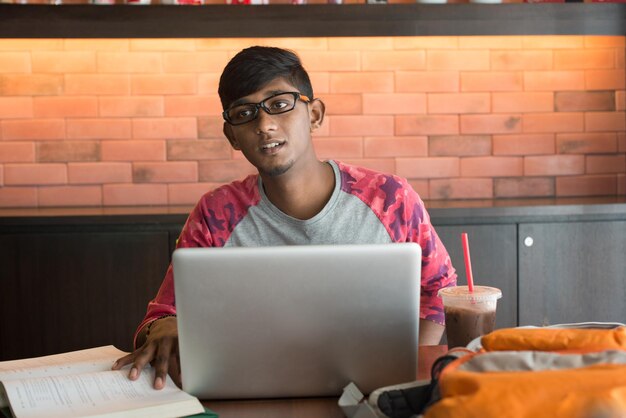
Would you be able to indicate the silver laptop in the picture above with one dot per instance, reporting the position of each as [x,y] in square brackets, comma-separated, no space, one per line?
[296,321]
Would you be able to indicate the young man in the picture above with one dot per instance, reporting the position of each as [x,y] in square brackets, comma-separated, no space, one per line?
[296,199]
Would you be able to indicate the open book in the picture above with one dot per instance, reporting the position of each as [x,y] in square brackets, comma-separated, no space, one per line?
[82,384]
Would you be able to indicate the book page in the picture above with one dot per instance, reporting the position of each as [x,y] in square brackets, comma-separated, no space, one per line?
[74,362]
[108,393]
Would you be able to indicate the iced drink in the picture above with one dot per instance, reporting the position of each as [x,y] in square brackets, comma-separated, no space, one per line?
[469,315]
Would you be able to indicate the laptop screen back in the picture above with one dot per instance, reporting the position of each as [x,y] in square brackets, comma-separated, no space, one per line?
[296,321]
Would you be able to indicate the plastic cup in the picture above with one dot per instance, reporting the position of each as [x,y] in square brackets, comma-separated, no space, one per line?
[469,315]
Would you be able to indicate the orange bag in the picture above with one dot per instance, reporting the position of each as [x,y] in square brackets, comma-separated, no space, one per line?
[535,373]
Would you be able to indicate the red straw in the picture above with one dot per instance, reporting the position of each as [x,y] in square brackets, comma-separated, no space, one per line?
[468,262]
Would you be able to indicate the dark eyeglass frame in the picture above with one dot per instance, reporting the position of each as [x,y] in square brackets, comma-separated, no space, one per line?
[261,105]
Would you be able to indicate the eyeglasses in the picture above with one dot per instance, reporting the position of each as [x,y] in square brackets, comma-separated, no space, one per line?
[274,105]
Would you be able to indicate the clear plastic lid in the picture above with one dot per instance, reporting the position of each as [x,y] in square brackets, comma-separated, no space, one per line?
[480,293]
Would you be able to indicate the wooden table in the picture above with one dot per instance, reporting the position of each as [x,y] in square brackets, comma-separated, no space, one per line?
[310,407]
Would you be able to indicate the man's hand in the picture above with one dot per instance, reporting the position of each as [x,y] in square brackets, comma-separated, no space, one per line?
[160,349]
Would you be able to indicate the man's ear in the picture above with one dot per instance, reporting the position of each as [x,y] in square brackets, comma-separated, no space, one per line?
[228,133]
[316,113]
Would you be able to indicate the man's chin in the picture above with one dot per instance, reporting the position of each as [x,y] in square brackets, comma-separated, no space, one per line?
[278,170]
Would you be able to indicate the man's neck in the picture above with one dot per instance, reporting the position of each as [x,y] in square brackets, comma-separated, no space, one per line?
[304,194]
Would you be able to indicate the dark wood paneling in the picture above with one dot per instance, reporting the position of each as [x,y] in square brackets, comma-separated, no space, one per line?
[88,21]
[494,262]
[68,291]
[573,272]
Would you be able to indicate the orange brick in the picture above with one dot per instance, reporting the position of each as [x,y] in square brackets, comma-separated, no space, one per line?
[394,146]
[163,84]
[554,80]
[16,107]
[33,129]
[17,152]
[129,62]
[394,103]
[330,60]
[165,128]
[524,187]
[605,79]
[34,174]
[382,165]
[320,82]
[357,43]
[621,184]
[99,173]
[425,42]
[461,189]
[60,107]
[596,41]
[427,81]
[427,125]
[361,125]
[553,122]
[192,105]
[63,62]
[227,44]
[552,42]
[491,81]
[459,145]
[621,142]
[338,147]
[474,60]
[101,128]
[392,60]
[97,84]
[165,172]
[490,42]
[432,167]
[343,104]
[421,187]
[18,197]
[605,121]
[490,124]
[95,44]
[620,100]
[521,60]
[296,44]
[63,151]
[372,82]
[134,194]
[194,62]
[210,127]
[205,149]
[31,84]
[130,106]
[586,186]
[162,44]
[554,165]
[586,143]
[15,62]
[459,103]
[223,171]
[605,164]
[492,166]
[522,102]
[530,144]
[70,196]
[46,44]
[133,150]
[588,59]
[581,101]
[187,193]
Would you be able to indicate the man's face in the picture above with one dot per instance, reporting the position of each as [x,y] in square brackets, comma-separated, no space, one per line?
[275,143]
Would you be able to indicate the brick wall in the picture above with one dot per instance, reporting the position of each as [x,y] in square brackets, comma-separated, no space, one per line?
[136,121]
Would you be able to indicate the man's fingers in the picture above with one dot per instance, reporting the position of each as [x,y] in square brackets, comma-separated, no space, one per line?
[142,357]
[123,361]
[161,363]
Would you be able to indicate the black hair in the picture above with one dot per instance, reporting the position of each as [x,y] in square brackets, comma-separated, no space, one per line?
[254,67]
